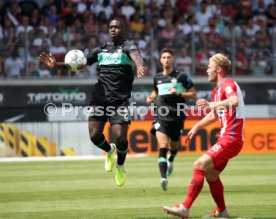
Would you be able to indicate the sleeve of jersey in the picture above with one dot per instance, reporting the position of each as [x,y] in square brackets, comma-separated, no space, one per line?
[129,47]
[230,89]
[187,82]
[92,57]
[155,85]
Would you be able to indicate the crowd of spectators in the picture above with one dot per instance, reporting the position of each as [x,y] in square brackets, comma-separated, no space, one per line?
[245,30]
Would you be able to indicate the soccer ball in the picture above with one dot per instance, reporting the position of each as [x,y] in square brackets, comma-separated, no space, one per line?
[75,60]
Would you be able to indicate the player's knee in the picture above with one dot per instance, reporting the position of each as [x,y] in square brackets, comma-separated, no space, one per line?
[212,177]
[199,165]
[121,141]
[96,138]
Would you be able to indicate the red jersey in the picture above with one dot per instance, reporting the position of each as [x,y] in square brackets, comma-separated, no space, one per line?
[232,119]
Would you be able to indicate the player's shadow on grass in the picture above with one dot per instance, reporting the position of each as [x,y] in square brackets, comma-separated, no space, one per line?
[166,217]
[233,217]
[238,217]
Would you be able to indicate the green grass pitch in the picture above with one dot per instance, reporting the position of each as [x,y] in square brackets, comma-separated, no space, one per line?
[83,190]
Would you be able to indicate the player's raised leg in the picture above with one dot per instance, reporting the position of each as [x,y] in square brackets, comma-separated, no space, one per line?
[96,135]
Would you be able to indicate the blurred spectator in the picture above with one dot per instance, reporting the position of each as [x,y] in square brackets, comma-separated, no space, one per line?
[189,26]
[168,32]
[13,12]
[231,30]
[271,16]
[136,23]
[183,61]
[127,9]
[57,48]
[251,28]
[201,61]
[243,14]
[14,65]
[241,62]
[260,9]
[27,7]
[152,9]
[90,24]
[33,69]
[40,37]
[53,15]
[35,18]
[167,18]
[104,7]
[259,64]
[32,56]
[43,71]
[24,26]
[181,6]
[203,15]
[57,26]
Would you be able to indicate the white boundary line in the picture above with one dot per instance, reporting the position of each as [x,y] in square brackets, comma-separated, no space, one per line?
[61,158]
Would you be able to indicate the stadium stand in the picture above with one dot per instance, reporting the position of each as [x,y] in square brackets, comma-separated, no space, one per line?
[244,30]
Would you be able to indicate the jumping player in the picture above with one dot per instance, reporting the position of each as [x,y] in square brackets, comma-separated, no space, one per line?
[171,88]
[116,61]
[227,105]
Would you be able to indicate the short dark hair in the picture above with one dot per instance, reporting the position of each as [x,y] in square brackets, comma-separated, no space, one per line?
[167,50]
[122,22]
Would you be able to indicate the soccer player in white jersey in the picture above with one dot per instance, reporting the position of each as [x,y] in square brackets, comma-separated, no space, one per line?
[227,105]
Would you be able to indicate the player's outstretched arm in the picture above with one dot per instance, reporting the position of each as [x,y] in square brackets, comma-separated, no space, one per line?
[50,61]
[230,102]
[136,57]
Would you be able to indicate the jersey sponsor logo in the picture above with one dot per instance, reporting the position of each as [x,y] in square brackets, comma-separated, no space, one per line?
[108,58]
[228,90]
[174,80]
[163,89]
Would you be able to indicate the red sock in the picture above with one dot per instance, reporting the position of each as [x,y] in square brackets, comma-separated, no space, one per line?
[195,188]
[217,190]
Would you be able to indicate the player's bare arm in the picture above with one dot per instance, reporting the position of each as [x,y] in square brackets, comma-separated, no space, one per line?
[151,97]
[232,101]
[210,118]
[50,61]
[136,57]
[191,93]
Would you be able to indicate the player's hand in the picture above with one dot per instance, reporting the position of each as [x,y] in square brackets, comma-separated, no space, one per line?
[149,100]
[202,103]
[173,91]
[190,135]
[48,59]
[140,71]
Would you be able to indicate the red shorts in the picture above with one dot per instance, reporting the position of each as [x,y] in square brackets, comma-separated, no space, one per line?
[223,150]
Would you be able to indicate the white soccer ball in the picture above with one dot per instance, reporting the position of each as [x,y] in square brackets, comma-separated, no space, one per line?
[75,60]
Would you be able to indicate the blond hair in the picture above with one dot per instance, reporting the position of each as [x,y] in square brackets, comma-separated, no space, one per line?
[222,61]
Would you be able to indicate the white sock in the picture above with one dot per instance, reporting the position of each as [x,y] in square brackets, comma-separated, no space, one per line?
[119,166]
[112,148]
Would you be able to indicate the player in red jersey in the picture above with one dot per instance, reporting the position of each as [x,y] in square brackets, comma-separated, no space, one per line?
[227,105]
